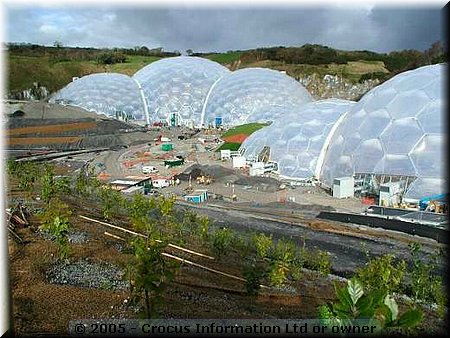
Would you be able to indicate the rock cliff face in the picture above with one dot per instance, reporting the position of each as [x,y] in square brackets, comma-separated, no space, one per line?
[37,92]
[328,86]
[333,86]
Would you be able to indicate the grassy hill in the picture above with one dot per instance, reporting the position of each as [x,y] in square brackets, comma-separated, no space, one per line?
[25,70]
[54,67]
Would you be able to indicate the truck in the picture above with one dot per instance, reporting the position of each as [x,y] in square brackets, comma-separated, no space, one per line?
[148,169]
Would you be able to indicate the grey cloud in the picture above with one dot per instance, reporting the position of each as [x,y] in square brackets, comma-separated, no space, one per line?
[221,29]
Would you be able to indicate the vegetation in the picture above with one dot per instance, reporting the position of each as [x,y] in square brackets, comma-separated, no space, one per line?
[382,273]
[426,286]
[229,146]
[246,129]
[55,221]
[277,262]
[151,273]
[54,67]
[375,307]
[223,58]
[222,239]
[110,200]
[26,173]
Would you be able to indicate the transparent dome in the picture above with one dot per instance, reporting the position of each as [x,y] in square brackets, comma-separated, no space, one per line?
[178,85]
[114,95]
[296,146]
[252,95]
[397,128]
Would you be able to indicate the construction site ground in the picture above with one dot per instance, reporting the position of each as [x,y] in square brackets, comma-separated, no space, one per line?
[42,307]
[263,204]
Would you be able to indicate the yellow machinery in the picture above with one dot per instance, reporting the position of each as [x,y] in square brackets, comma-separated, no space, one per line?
[204,179]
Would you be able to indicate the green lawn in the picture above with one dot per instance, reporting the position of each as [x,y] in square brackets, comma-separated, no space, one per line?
[224,58]
[230,146]
[246,129]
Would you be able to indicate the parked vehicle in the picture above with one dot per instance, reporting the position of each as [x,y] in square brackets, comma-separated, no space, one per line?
[148,169]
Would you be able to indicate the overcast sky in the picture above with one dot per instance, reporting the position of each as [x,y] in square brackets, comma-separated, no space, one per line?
[374,28]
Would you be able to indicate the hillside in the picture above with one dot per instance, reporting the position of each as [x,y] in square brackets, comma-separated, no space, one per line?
[54,67]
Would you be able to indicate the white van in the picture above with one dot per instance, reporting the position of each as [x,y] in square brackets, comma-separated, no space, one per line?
[160,183]
[147,169]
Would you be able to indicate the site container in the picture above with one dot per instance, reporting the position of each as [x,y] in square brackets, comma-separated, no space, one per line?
[166,146]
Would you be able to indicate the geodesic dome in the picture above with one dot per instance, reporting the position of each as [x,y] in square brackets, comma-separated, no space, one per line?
[114,95]
[178,85]
[397,128]
[252,95]
[297,137]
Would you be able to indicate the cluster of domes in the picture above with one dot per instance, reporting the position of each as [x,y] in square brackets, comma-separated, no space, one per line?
[395,129]
[187,90]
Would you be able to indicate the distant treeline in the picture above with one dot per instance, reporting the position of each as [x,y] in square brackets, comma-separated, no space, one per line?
[59,53]
[395,62]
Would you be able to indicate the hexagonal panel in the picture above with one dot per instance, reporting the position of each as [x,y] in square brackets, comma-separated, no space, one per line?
[401,135]
[431,118]
[428,156]
[367,155]
[406,104]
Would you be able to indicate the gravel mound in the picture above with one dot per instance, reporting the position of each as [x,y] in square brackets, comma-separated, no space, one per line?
[74,237]
[262,183]
[87,274]
[77,237]
[196,170]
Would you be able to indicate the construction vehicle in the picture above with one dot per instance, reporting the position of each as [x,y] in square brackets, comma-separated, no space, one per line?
[204,179]
[426,201]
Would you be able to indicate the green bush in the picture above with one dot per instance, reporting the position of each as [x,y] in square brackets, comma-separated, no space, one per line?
[222,240]
[426,286]
[382,273]
[263,244]
[55,221]
[377,307]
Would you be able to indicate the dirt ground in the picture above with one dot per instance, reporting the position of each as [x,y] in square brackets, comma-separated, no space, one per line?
[40,307]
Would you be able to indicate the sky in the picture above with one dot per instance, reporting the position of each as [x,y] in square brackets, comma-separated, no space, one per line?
[374,27]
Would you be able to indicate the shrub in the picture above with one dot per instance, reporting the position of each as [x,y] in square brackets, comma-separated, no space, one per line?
[376,306]
[222,240]
[382,273]
[262,243]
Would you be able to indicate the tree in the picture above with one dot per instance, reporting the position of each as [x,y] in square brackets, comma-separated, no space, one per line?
[222,240]
[253,274]
[138,211]
[151,273]
[426,286]
[55,220]
[58,44]
[111,200]
[48,188]
[189,52]
[263,244]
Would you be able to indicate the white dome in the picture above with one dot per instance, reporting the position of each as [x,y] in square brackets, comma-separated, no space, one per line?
[297,137]
[397,128]
[110,94]
[178,85]
[252,95]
